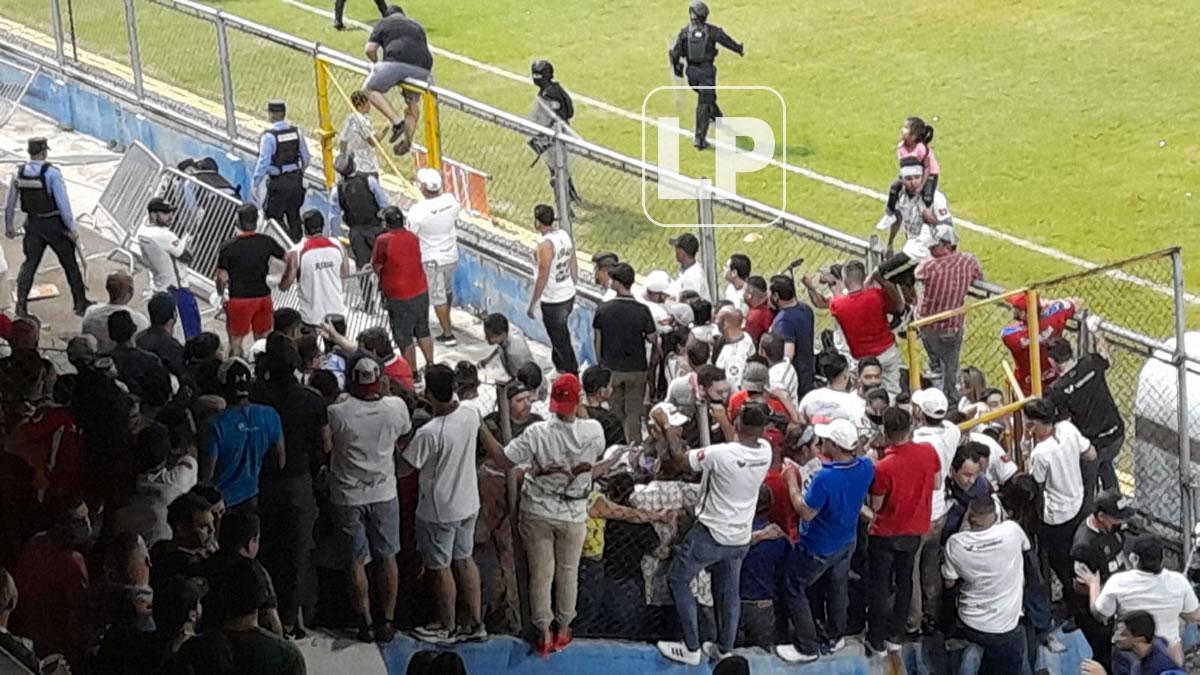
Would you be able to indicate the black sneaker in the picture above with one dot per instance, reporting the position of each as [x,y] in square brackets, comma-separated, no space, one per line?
[385,631]
[397,131]
[338,25]
[875,648]
[446,340]
[364,634]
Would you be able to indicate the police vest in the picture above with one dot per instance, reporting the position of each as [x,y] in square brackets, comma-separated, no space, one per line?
[697,44]
[217,182]
[359,208]
[287,148]
[34,191]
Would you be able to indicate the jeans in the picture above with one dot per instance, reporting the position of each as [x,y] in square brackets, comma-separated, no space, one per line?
[1100,470]
[1036,601]
[554,318]
[553,548]
[927,581]
[757,627]
[699,551]
[629,393]
[1003,653]
[943,350]
[1056,541]
[805,569]
[891,562]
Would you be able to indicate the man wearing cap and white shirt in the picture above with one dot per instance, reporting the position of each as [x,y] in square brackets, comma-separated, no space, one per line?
[835,400]
[657,289]
[554,286]
[829,511]
[164,252]
[318,263]
[691,273]
[737,345]
[435,222]
[930,426]
[362,489]
[989,560]
[945,278]
[559,454]
[732,475]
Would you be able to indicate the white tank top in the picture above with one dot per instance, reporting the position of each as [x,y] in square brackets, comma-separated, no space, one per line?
[320,279]
[560,287]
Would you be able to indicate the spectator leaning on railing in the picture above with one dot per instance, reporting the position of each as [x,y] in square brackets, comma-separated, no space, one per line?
[945,277]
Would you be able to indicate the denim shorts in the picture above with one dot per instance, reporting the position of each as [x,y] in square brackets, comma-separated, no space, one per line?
[409,319]
[442,543]
[368,531]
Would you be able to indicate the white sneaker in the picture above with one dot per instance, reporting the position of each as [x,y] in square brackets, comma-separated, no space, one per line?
[893,647]
[434,633]
[885,222]
[678,652]
[790,654]
[839,645]
[712,651]
[1052,643]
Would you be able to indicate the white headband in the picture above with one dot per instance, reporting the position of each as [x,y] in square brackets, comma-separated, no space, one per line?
[911,170]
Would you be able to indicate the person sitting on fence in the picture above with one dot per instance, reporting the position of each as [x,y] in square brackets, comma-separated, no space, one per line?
[282,159]
[1053,316]
[242,266]
[163,252]
[405,56]
[357,138]
[945,278]
[919,222]
[318,264]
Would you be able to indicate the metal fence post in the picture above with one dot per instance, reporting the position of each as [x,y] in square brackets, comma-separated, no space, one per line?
[135,56]
[708,237]
[56,20]
[327,131]
[226,77]
[433,129]
[1033,315]
[562,186]
[1187,504]
[872,252]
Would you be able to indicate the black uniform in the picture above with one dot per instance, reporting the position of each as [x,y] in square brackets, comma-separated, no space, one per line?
[697,46]
[1082,395]
[44,226]
[1101,553]
[360,213]
[339,10]
[553,98]
[285,178]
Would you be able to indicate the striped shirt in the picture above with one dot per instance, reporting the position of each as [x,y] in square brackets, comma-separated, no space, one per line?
[944,282]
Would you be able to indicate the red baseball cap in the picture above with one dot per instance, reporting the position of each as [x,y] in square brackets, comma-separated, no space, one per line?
[1018,301]
[564,394]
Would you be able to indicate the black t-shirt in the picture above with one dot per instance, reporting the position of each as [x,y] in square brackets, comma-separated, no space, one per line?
[132,365]
[624,546]
[614,428]
[623,323]
[1081,394]
[230,652]
[1100,552]
[215,571]
[403,40]
[302,412]
[163,345]
[247,259]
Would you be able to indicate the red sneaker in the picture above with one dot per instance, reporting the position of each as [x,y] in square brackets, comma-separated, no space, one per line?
[544,649]
[561,640]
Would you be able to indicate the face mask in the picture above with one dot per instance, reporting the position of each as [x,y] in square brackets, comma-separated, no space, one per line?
[875,419]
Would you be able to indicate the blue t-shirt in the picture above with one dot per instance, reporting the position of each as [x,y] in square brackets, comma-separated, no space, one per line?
[795,324]
[239,438]
[762,565]
[837,493]
[1157,662]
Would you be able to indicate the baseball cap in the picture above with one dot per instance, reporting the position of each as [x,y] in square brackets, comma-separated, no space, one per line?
[605,258]
[658,281]
[1114,504]
[564,394]
[466,374]
[932,402]
[755,377]
[686,241]
[344,163]
[945,234]
[1019,301]
[682,313]
[840,431]
[159,205]
[430,179]
[674,417]
[36,145]
[276,106]
[439,382]
[366,372]
[234,372]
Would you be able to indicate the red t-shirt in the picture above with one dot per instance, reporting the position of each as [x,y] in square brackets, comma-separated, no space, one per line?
[905,478]
[400,372]
[738,399]
[864,321]
[397,256]
[52,582]
[758,321]
[782,513]
[1051,324]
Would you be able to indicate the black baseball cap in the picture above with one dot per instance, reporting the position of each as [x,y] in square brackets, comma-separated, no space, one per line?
[688,242]
[276,106]
[159,205]
[37,145]
[1114,505]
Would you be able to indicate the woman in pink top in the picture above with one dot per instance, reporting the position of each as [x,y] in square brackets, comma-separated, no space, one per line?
[915,138]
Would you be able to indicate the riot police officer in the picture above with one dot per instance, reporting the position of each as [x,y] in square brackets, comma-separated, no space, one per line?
[39,188]
[282,159]
[697,47]
[552,108]
[360,198]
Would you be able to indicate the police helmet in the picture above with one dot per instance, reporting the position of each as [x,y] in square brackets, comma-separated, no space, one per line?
[698,9]
[542,70]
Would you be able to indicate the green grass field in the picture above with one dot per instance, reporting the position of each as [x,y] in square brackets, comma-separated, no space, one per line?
[1050,116]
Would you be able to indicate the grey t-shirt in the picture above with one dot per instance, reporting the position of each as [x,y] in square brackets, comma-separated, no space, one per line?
[95,323]
[444,452]
[514,352]
[363,467]
[555,496]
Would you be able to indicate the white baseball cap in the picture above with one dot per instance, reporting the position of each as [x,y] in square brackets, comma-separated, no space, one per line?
[932,402]
[674,417]
[682,313]
[945,234]
[430,179]
[657,281]
[840,431]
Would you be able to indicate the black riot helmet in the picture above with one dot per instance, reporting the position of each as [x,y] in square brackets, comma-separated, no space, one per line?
[698,10]
[542,71]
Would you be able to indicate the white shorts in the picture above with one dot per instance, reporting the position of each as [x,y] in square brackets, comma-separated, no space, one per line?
[441,282]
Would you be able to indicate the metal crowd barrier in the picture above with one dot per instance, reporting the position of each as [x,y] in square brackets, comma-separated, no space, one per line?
[12,91]
[122,206]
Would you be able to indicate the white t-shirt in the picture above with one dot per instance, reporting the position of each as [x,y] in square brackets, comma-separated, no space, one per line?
[554,442]
[363,467]
[1165,595]
[692,279]
[918,232]
[732,359]
[826,402]
[444,452]
[662,318]
[945,440]
[729,488]
[737,297]
[356,131]
[706,333]
[609,294]
[320,279]
[160,247]
[991,565]
[782,375]
[1054,463]
[95,323]
[1000,465]
[560,285]
[435,222]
